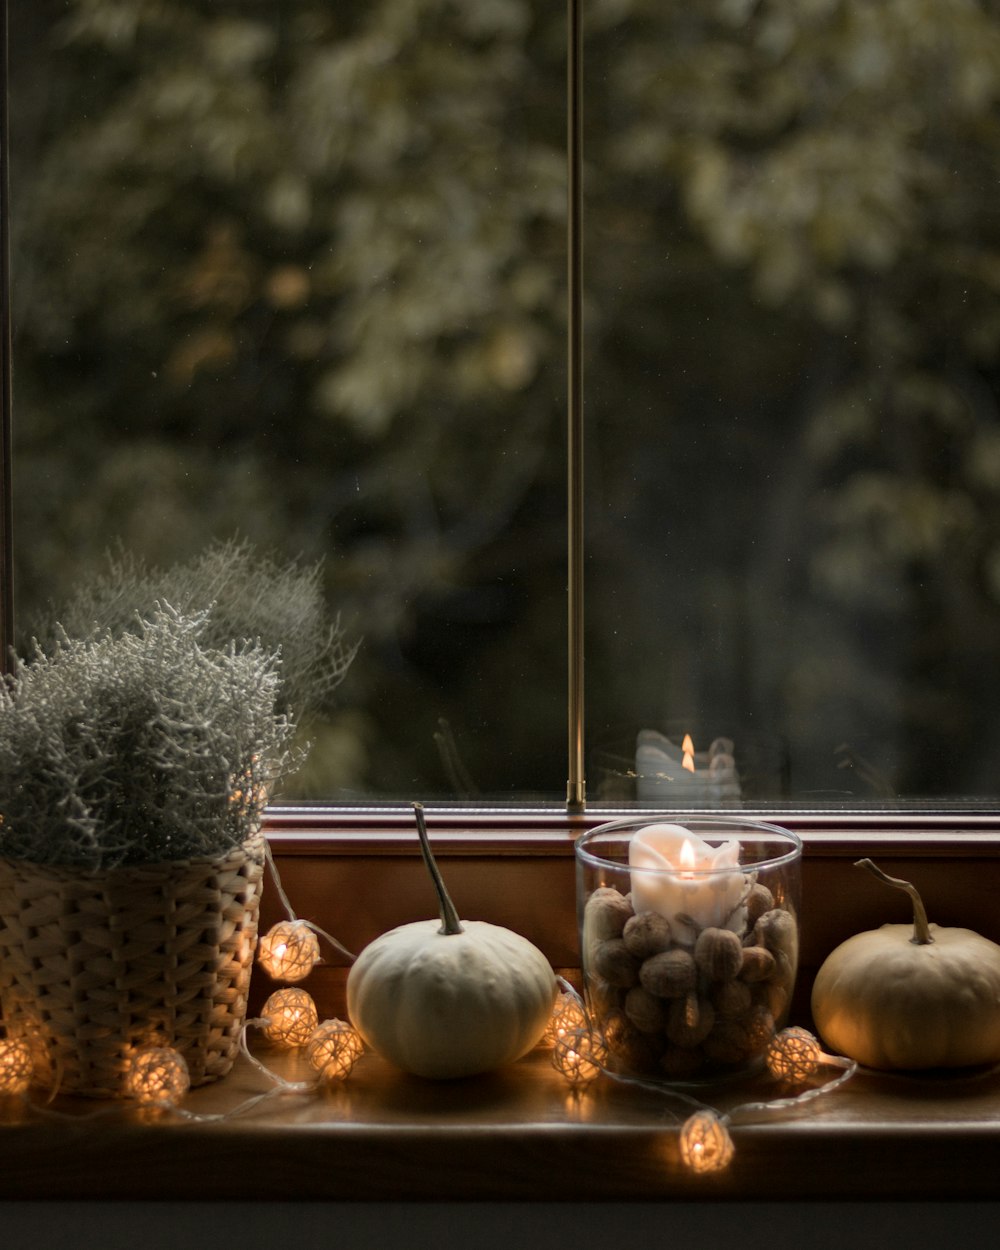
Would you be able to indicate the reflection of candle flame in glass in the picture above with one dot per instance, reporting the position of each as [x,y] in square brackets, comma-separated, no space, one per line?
[687,746]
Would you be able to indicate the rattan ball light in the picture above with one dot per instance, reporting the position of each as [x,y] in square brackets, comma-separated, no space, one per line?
[290,1018]
[157,1076]
[288,951]
[334,1048]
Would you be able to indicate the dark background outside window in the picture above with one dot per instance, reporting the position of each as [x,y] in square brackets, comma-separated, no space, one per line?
[295,273]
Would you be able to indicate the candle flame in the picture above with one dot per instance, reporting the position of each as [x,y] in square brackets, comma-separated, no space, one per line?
[687,858]
[687,746]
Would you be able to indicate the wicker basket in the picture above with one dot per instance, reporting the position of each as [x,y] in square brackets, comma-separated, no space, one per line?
[93,965]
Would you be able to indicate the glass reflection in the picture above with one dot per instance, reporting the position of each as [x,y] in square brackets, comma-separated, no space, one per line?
[792,258]
[292,275]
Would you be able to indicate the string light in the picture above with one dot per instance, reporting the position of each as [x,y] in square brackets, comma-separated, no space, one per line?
[567,1014]
[16,1066]
[793,1056]
[579,1055]
[705,1143]
[334,1048]
[290,1018]
[157,1076]
[289,950]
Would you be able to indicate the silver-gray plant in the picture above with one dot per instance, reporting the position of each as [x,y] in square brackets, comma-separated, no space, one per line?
[245,593]
[139,747]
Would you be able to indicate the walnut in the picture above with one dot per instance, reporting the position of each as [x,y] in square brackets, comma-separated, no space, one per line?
[602,996]
[760,1029]
[732,999]
[758,964]
[687,1027]
[614,1026]
[647,1012]
[784,970]
[613,962]
[605,915]
[647,933]
[773,996]
[759,900]
[728,1042]
[776,929]
[718,954]
[635,1050]
[670,974]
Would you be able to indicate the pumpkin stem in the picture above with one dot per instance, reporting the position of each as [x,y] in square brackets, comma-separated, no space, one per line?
[921,929]
[450,922]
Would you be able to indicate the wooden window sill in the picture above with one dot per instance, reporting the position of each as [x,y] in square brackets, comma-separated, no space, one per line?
[516,1135]
[358,874]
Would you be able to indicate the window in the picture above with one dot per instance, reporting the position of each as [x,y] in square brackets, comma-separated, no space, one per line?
[790,253]
[296,273]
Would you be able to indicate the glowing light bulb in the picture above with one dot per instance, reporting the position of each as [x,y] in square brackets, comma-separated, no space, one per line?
[157,1076]
[579,1055]
[567,1013]
[705,1143]
[290,1018]
[16,1066]
[288,951]
[793,1055]
[334,1048]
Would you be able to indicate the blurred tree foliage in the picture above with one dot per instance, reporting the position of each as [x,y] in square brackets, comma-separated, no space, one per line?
[295,271]
[799,203]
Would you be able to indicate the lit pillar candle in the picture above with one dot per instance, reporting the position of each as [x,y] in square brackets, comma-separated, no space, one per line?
[683,878]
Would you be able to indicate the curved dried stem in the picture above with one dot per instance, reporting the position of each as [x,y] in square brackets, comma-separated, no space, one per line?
[921,929]
[450,923]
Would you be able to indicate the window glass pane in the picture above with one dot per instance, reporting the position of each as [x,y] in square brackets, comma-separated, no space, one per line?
[292,274]
[793,264]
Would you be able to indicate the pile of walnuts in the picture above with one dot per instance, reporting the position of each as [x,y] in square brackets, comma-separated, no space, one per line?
[684,1011]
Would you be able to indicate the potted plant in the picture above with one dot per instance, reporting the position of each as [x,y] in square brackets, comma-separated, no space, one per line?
[243,591]
[134,770]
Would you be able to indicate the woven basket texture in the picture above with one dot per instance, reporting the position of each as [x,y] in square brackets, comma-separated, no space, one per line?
[93,965]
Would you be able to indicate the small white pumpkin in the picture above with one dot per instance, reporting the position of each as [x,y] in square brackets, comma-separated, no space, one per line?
[911,996]
[444,999]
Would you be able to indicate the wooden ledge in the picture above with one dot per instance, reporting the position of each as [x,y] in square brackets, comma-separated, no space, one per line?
[517,1135]
[359,873]
[513,1135]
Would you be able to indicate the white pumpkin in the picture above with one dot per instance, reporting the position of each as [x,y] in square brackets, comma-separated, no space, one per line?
[911,996]
[444,999]
[450,1004]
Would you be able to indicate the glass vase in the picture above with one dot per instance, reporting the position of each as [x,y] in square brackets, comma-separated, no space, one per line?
[689,938]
